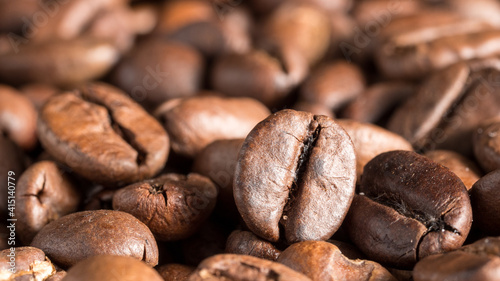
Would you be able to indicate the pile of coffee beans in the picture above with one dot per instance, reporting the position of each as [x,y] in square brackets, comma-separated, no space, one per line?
[249,140]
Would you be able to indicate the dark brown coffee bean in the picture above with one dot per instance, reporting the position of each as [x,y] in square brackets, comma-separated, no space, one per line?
[449,106]
[107,267]
[242,267]
[371,140]
[17,117]
[296,170]
[103,135]
[12,165]
[415,50]
[173,206]
[247,243]
[158,70]
[478,261]
[464,168]
[193,123]
[44,193]
[377,101]
[333,84]
[485,196]
[320,260]
[486,142]
[173,271]
[25,263]
[81,235]
[63,63]
[409,207]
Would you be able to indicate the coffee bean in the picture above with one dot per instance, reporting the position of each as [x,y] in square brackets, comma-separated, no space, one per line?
[371,140]
[464,168]
[449,106]
[103,135]
[321,260]
[296,170]
[409,207]
[173,271]
[39,93]
[247,243]
[242,267]
[314,108]
[17,117]
[25,263]
[108,267]
[158,70]
[12,165]
[484,198]
[44,193]
[75,237]
[477,261]
[193,123]
[333,84]
[173,206]
[486,143]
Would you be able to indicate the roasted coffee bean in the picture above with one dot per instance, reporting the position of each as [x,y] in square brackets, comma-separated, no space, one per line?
[478,261]
[44,193]
[296,170]
[81,235]
[25,263]
[193,123]
[420,45]
[314,108]
[409,207]
[321,260]
[17,117]
[39,93]
[377,101]
[449,106]
[464,168]
[158,70]
[107,267]
[12,165]
[242,267]
[486,142]
[348,250]
[247,243]
[173,206]
[62,63]
[103,135]
[173,271]
[485,196]
[371,140]
[12,14]
[217,161]
[333,84]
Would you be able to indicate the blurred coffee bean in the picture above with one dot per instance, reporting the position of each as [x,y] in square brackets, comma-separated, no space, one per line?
[78,236]
[295,171]
[12,165]
[247,243]
[409,207]
[173,206]
[61,63]
[333,85]
[39,93]
[157,70]
[449,106]
[44,193]
[173,271]
[486,143]
[217,161]
[15,15]
[413,50]
[321,260]
[314,108]
[25,263]
[193,123]
[371,140]
[377,101]
[103,135]
[477,261]
[464,168]
[110,267]
[17,118]
[242,267]
[485,196]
